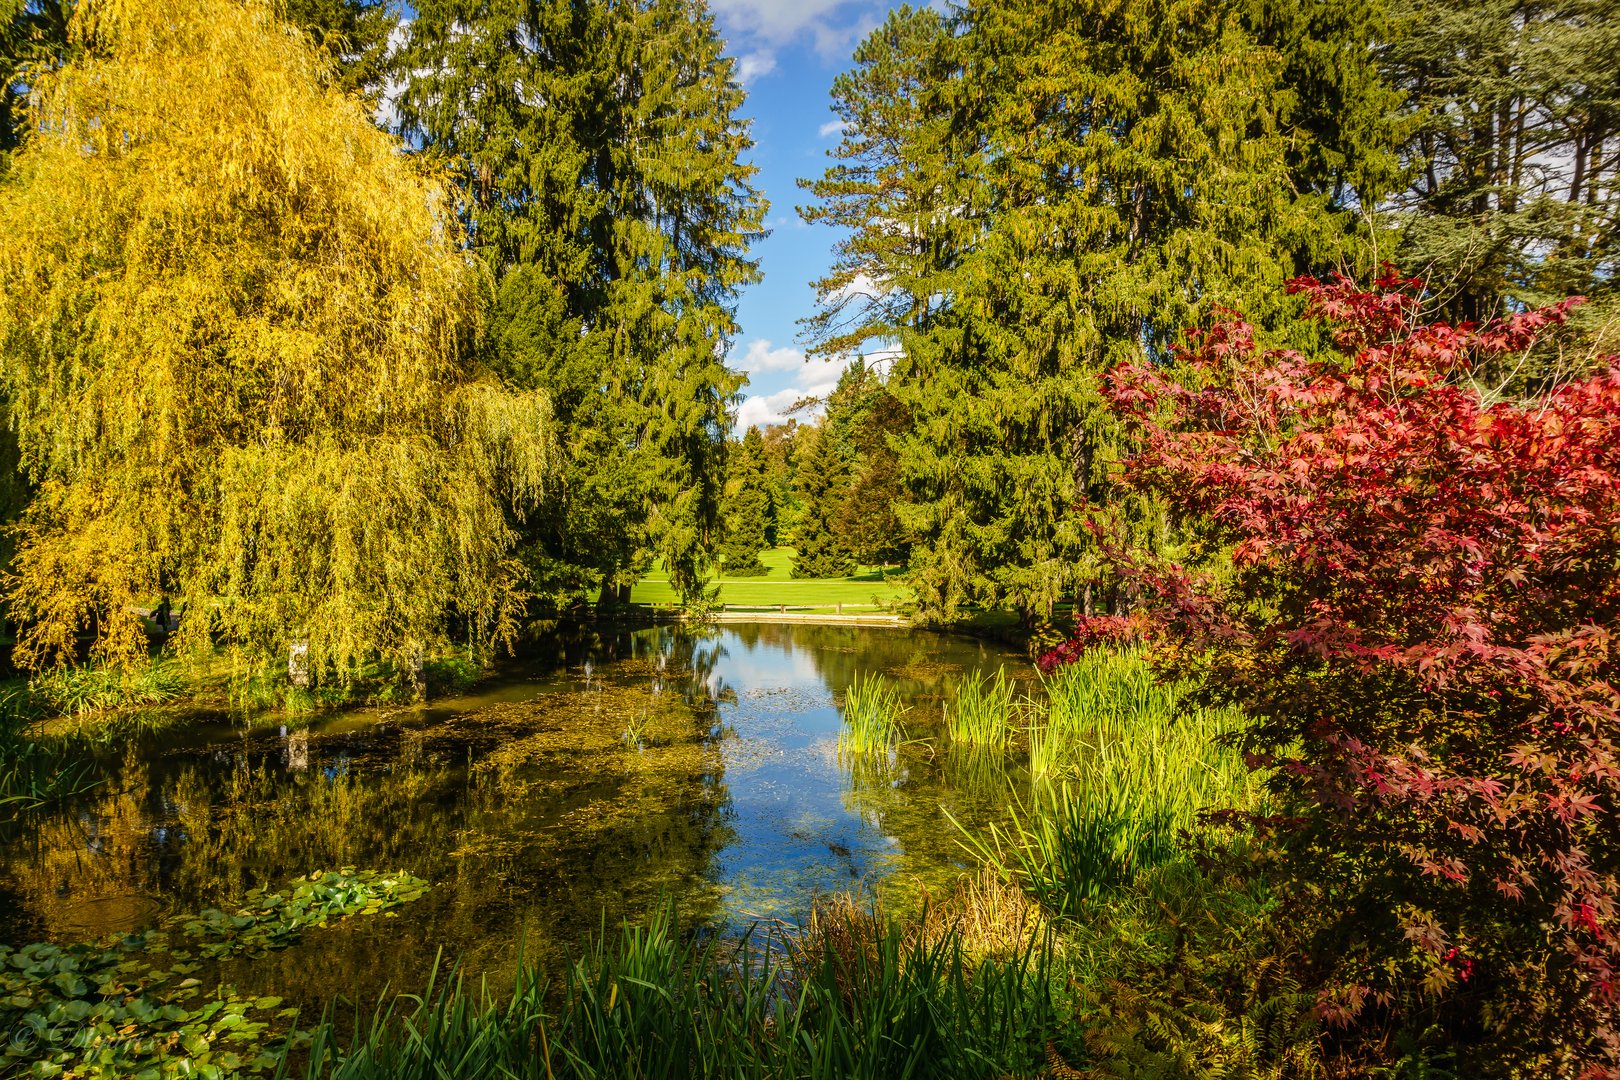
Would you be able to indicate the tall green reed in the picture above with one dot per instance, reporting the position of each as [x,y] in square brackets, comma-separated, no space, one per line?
[1122,764]
[872,713]
[651,1003]
[983,713]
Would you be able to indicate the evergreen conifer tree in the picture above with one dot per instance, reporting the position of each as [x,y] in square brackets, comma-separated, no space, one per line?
[1514,194]
[600,158]
[747,510]
[1033,192]
[823,482]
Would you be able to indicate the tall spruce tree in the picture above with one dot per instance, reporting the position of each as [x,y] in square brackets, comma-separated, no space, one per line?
[242,372]
[601,161]
[1034,192]
[823,484]
[747,508]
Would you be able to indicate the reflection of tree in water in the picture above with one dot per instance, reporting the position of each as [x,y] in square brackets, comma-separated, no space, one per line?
[76,864]
[532,815]
[924,666]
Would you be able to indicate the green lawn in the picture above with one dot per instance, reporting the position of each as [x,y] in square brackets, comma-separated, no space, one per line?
[871,585]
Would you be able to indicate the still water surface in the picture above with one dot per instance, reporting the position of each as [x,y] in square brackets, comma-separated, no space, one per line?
[621,771]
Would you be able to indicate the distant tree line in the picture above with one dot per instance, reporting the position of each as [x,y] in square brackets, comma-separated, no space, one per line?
[828,486]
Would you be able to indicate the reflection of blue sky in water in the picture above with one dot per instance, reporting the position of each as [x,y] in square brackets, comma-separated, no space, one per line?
[795,834]
[530,803]
[798,821]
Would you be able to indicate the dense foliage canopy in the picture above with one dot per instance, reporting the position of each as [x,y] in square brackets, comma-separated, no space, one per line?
[237,347]
[600,161]
[1419,614]
[1034,192]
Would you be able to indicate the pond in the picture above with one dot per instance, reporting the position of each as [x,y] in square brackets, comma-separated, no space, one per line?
[621,772]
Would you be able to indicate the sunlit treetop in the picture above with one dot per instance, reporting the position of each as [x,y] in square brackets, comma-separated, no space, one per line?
[236,342]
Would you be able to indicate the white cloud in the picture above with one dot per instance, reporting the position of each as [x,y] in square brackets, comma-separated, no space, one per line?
[751,66]
[861,285]
[759,356]
[774,21]
[831,128]
[757,29]
[765,411]
[813,377]
[883,354]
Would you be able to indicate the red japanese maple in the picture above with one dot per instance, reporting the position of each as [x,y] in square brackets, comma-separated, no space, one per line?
[1421,619]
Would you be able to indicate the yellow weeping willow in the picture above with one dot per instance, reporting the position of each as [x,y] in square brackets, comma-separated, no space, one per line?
[236,349]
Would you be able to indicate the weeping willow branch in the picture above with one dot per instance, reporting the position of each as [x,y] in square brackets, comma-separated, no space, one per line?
[236,346]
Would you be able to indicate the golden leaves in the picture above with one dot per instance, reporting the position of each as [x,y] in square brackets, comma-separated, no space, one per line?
[236,353]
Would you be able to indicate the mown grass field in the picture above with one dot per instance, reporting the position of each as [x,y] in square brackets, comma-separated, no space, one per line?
[871,589]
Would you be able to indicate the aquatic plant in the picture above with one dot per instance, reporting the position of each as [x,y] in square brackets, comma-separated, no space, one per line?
[861,997]
[34,771]
[1122,764]
[872,712]
[131,1006]
[1111,726]
[634,735]
[982,714]
[1074,845]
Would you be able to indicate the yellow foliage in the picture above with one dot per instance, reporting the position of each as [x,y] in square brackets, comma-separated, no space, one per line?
[236,344]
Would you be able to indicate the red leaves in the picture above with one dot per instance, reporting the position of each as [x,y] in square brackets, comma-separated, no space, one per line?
[1094,630]
[1422,608]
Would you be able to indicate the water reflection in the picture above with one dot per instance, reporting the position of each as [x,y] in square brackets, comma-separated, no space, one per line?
[620,769]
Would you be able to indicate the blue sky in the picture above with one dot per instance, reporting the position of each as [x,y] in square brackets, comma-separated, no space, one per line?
[788,52]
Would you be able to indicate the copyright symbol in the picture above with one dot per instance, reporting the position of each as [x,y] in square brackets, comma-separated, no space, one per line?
[24,1039]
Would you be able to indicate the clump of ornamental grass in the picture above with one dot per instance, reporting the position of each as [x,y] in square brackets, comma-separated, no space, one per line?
[872,712]
[983,712]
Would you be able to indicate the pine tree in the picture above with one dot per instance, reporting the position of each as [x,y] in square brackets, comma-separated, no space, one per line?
[866,419]
[747,510]
[780,483]
[823,483]
[354,35]
[601,162]
[241,371]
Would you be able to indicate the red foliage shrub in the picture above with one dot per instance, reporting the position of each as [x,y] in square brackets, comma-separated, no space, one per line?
[1421,617]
